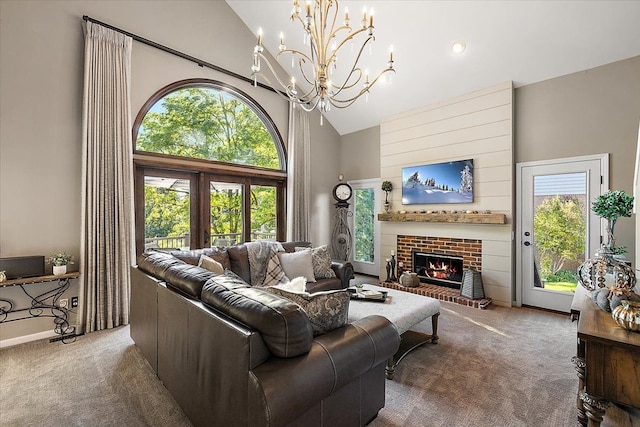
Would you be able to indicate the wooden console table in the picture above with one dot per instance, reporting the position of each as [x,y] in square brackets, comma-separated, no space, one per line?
[44,304]
[608,365]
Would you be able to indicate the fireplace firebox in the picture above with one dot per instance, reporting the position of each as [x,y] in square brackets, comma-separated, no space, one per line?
[439,269]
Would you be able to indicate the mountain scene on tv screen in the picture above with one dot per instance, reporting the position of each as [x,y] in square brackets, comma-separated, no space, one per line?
[441,183]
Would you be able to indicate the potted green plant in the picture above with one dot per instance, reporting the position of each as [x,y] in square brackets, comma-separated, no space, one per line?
[387,187]
[611,206]
[60,262]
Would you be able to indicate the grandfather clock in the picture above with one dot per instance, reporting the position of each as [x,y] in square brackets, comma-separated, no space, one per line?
[341,236]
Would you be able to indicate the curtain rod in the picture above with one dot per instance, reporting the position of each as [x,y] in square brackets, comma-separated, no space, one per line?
[182,55]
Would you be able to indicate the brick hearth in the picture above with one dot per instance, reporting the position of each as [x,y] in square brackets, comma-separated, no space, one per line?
[441,293]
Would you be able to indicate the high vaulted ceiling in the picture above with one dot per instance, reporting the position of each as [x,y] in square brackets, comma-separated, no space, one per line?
[522,41]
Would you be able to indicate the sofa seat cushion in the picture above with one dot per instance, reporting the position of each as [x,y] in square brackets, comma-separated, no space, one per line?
[327,310]
[283,325]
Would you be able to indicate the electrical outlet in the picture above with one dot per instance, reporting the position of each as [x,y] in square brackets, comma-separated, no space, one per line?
[62,303]
[74,302]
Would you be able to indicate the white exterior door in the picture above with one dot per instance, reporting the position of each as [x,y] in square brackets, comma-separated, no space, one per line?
[365,227]
[556,229]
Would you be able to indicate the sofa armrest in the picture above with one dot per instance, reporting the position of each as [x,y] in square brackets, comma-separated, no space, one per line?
[280,390]
[344,271]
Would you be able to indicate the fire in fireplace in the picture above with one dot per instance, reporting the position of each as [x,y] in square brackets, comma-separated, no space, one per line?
[439,269]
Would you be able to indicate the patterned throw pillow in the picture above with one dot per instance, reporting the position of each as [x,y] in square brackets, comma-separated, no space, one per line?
[321,261]
[326,310]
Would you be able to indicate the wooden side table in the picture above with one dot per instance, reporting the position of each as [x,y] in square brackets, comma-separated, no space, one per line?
[608,365]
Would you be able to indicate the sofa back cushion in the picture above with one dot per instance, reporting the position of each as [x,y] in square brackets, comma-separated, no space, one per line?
[179,275]
[156,263]
[291,246]
[239,260]
[284,326]
[193,256]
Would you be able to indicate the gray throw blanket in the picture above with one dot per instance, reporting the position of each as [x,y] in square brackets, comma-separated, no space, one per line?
[266,269]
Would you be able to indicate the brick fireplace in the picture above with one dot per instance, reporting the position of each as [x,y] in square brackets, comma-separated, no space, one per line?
[468,250]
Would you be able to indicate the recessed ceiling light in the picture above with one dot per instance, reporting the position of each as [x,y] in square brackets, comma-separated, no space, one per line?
[458,47]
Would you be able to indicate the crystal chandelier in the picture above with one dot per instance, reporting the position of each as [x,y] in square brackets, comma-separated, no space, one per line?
[323,85]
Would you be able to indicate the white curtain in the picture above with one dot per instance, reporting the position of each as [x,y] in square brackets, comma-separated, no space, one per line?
[107,247]
[298,179]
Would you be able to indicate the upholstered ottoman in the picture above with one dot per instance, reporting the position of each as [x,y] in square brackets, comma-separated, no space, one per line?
[404,310]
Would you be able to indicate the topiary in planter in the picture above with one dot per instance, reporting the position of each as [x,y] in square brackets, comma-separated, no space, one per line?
[611,206]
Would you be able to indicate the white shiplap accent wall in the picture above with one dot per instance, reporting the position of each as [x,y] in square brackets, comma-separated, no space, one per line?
[476,126]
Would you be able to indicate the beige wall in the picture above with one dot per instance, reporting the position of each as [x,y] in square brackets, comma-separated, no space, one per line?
[475,126]
[591,112]
[360,154]
[41,80]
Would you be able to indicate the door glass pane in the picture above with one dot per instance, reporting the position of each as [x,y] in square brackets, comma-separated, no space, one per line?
[226,213]
[364,224]
[263,212]
[166,213]
[559,229]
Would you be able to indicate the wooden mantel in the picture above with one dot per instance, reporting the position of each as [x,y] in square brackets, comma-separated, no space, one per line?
[465,218]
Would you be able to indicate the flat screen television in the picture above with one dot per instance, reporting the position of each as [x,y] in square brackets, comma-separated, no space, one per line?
[438,183]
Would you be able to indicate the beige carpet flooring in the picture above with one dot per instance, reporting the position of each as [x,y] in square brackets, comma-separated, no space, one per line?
[494,367]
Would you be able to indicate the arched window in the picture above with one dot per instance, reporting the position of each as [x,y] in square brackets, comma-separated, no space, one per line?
[210,168]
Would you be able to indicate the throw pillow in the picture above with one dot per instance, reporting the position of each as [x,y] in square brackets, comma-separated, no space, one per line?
[297,264]
[299,284]
[326,310]
[210,264]
[321,261]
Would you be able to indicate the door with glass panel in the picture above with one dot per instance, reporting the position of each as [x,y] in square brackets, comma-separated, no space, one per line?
[169,202]
[229,220]
[365,227]
[226,213]
[557,230]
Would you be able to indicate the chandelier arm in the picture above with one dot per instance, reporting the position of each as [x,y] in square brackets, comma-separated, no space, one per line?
[350,101]
[350,37]
[312,82]
[284,95]
[273,72]
[294,53]
[345,86]
[304,103]
[354,67]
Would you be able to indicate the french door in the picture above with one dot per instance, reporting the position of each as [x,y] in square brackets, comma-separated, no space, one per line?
[365,227]
[189,210]
[557,230]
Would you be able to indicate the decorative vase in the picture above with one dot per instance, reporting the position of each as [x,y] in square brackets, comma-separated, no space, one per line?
[3,276]
[59,270]
[387,207]
[604,270]
[627,315]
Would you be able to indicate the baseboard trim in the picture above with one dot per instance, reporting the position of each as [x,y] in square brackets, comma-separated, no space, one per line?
[27,338]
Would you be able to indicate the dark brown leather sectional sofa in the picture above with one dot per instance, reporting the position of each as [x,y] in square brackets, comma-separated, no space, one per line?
[235,355]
